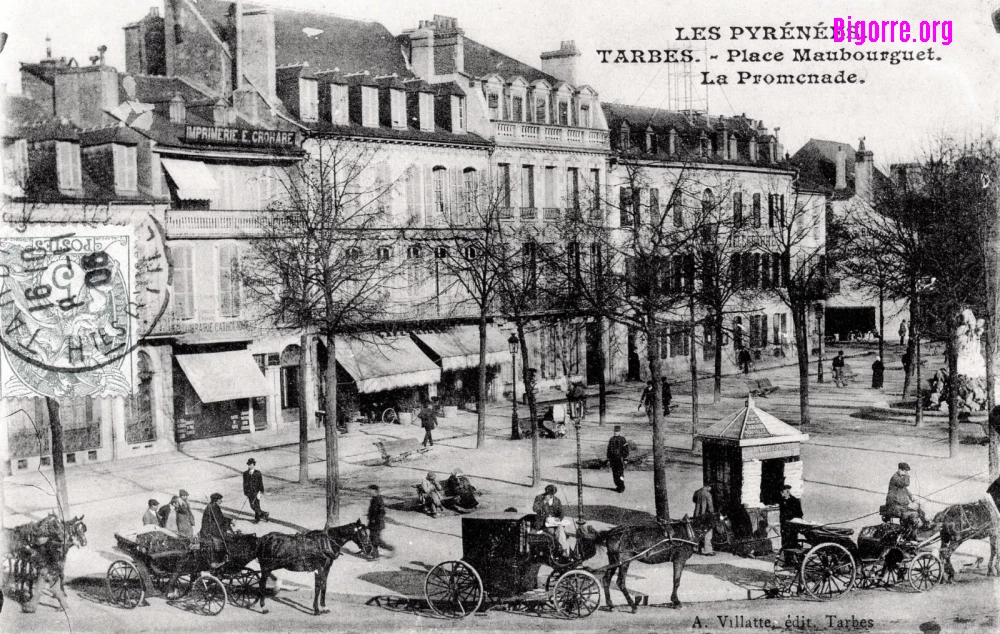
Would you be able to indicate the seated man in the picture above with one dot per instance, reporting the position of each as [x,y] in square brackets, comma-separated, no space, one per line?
[215,527]
[549,517]
[457,486]
[790,517]
[430,494]
[553,424]
[899,502]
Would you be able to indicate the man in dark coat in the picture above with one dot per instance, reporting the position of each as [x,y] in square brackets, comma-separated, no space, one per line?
[665,392]
[907,360]
[549,516]
[878,373]
[646,401]
[789,508]
[428,419]
[617,454]
[376,519]
[898,499]
[743,358]
[215,526]
[703,505]
[838,370]
[185,518]
[253,488]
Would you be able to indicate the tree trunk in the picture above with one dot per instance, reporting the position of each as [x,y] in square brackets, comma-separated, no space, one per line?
[991,392]
[58,466]
[951,351]
[916,337]
[802,350]
[694,381]
[908,373]
[820,342]
[332,454]
[660,497]
[303,411]
[881,322]
[602,383]
[481,386]
[529,395]
[717,338]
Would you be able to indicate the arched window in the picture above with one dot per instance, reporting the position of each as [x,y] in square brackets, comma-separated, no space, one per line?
[707,203]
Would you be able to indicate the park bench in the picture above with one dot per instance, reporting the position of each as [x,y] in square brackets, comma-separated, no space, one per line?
[396,450]
[635,456]
[760,387]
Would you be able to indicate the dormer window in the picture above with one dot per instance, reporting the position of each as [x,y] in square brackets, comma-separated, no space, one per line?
[585,115]
[517,108]
[563,112]
[68,166]
[369,107]
[426,106]
[339,109]
[623,137]
[397,107]
[672,142]
[541,108]
[650,141]
[493,100]
[308,99]
[178,110]
[459,105]
[125,167]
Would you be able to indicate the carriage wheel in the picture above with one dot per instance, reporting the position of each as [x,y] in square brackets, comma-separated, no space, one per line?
[827,571]
[577,594]
[243,587]
[868,574]
[550,581]
[209,595]
[887,570]
[924,572]
[786,571]
[453,589]
[180,589]
[125,587]
[389,416]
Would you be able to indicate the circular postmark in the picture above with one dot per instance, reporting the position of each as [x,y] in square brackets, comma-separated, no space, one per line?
[75,303]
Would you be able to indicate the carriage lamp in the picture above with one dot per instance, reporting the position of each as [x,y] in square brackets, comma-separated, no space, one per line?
[515,429]
[577,398]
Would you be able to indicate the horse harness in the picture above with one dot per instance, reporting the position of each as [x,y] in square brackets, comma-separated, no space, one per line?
[669,538]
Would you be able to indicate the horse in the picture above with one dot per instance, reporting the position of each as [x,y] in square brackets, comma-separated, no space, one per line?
[40,549]
[313,551]
[960,522]
[673,541]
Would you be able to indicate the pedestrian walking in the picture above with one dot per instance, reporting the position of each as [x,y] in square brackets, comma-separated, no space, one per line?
[428,419]
[185,518]
[902,332]
[253,488]
[646,400]
[743,358]
[665,394]
[878,374]
[838,369]
[703,505]
[617,455]
[150,517]
[907,369]
[376,520]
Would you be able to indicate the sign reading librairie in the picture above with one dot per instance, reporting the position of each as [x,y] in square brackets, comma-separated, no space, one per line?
[238,136]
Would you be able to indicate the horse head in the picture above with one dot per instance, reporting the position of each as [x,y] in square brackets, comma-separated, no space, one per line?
[76,531]
[362,539]
[587,540]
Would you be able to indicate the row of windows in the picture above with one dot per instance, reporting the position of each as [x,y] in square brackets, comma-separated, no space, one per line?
[560,188]
[537,107]
[630,208]
[759,270]
[759,335]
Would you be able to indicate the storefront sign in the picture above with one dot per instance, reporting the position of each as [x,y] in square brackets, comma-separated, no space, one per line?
[217,135]
[756,241]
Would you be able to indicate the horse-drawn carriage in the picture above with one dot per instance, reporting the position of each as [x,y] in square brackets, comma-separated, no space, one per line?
[824,562]
[502,558]
[34,545]
[160,562]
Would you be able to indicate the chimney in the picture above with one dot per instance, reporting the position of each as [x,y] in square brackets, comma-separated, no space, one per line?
[258,55]
[422,51]
[82,95]
[449,46]
[841,169]
[561,64]
[145,48]
[863,167]
[672,142]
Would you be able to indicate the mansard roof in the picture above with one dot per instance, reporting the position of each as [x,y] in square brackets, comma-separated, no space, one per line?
[481,60]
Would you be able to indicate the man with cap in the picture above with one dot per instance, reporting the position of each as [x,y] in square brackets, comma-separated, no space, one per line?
[168,515]
[150,517]
[214,528]
[430,494]
[898,500]
[789,508]
[549,516]
[376,519]
[428,420]
[253,488]
[704,505]
[185,518]
[617,454]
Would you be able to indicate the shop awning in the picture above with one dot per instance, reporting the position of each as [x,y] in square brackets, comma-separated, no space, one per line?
[384,363]
[193,179]
[459,348]
[223,376]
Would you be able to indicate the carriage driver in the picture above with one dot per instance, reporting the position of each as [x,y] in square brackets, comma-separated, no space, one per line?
[549,517]
[899,502]
[215,526]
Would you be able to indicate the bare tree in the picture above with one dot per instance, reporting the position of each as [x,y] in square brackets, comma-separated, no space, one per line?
[322,262]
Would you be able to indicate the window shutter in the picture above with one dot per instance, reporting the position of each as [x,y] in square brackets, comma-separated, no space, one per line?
[457,215]
[428,195]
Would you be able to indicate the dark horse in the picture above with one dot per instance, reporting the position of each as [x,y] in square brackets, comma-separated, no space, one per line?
[313,551]
[40,548]
[673,541]
[958,523]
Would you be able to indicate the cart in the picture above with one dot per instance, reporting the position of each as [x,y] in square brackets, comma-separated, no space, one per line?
[826,562]
[501,559]
[161,563]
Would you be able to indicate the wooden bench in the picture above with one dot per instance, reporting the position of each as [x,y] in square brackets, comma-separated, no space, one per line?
[396,450]
[760,387]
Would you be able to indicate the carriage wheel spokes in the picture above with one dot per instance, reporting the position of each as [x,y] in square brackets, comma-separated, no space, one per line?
[827,571]
[209,595]
[887,571]
[125,587]
[924,572]
[785,574]
[242,588]
[577,594]
[180,588]
[453,589]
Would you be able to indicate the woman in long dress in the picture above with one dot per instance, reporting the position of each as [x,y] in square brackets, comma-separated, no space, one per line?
[878,374]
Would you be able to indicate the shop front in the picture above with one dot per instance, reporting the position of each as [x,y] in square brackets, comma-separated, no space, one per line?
[218,394]
[456,352]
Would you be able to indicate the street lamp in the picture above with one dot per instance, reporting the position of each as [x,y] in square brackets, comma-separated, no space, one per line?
[577,398]
[515,429]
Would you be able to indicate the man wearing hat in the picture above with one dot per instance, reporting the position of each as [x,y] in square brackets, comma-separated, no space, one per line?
[168,514]
[789,508]
[214,528]
[376,519]
[430,494]
[253,488]
[899,499]
[185,518]
[617,454]
[150,517]
[549,517]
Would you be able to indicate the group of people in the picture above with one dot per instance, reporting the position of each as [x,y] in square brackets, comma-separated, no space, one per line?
[646,398]
[457,492]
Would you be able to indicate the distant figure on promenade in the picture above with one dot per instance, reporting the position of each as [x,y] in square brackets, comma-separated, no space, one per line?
[459,487]
[428,420]
[617,455]
[902,332]
[838,370]
[253,488]
[646,400]
[665,395]
[878,374]
[150,517]
[744,360]
[430,494]
[907,370]
[168,515]
[376,519]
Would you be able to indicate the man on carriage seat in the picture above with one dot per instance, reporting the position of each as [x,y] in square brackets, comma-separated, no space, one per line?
[789,509]
[549,518]
[215,527]
[899,502]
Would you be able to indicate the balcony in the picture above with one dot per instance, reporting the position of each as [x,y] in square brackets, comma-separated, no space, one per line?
[550,134]
[529,213]
[506,213]
[551,213]
[217,223]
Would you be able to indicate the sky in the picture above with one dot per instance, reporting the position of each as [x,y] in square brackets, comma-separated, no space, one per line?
[899,109]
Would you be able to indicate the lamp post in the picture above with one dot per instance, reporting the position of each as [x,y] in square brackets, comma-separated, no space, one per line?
[577,398]
[515,429]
